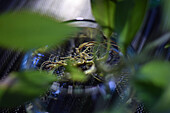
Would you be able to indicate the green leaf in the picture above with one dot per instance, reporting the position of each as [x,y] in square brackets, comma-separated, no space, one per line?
[104,11]
[20,87]
[29,30]
[152,80]
[167,45]
[156,72]
[75,73]
[162,106]
[165,22]
[145,53]
[154,3]
[164,38]
[132,24]
[123,12]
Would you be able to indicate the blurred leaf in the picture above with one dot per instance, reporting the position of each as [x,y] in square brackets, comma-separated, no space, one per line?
[20,87]
[29,30]
[104,11]
[75,73]
[158,42]
[165,15]
[118,0]
[148,92]
[135,16]
[145,55]
[118,108]
[123,11]
[156,72]
[154,3]
[152,80]
[151,46]
[167,46]
[162,106]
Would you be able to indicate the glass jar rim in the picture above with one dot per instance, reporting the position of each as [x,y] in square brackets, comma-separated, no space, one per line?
[81,22]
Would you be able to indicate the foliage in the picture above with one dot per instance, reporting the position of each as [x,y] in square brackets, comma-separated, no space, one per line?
[104,12]
[152,82]
[167,46]
[28,30]
[20,87]
[165,18]
[76,74]
[135,16]
[125,17]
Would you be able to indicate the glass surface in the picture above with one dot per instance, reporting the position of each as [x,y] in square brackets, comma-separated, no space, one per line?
[88,50]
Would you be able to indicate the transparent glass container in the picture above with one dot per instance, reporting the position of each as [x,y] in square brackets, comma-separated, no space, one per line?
[107,84]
